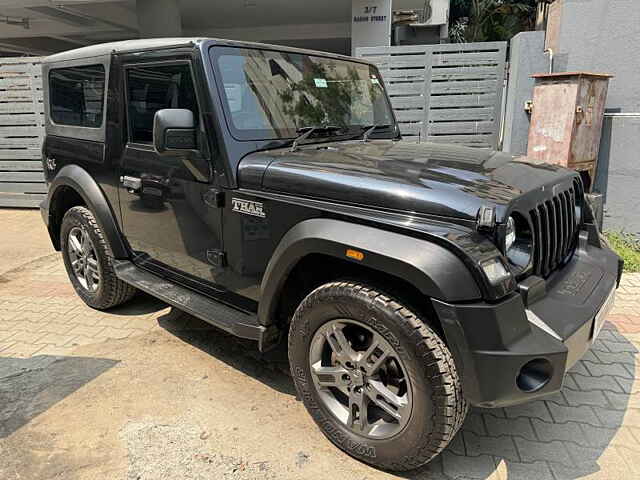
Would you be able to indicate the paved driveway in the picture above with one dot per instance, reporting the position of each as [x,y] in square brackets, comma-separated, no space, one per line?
[146,392]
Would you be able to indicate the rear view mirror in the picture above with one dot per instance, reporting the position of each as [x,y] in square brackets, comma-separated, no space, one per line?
[174,130]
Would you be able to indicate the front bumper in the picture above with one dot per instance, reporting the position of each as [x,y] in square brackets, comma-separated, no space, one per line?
[509,353]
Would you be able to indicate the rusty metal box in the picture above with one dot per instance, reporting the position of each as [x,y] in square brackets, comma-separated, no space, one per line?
[566,123]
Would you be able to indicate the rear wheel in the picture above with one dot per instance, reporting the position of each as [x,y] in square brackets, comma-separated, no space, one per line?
[89,262]
[377,380]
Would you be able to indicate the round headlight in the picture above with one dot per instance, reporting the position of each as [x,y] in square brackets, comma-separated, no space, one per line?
[518,243]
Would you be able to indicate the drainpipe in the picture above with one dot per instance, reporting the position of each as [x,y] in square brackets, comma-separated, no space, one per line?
[550,52]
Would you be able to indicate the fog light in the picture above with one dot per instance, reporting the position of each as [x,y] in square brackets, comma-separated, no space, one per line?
[534,375]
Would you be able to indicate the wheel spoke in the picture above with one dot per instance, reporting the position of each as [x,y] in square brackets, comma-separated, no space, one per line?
[92,267]
[86,244]
[357,419]
[76,246]
[340,345]
[330,376]
[375,356]
[384,398]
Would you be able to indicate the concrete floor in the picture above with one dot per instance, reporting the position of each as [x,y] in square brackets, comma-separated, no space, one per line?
[146,392]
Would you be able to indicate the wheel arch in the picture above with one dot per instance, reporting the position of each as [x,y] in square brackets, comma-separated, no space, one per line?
[426,270]
[74,186]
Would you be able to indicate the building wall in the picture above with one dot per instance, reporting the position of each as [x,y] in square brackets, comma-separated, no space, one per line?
[604,36]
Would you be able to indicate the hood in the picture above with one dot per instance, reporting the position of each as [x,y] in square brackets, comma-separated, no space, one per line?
[427,178]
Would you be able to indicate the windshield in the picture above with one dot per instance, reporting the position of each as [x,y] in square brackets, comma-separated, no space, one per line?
[269,94]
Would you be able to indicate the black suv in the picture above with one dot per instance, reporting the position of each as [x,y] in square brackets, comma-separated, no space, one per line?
[267,191]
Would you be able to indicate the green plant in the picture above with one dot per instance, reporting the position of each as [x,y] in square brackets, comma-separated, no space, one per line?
[490,20]
[628,247]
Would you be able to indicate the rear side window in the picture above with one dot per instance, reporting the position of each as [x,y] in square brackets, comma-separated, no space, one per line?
[77,96]
[153,88]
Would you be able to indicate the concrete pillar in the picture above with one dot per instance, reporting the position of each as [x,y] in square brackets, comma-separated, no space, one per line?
[527,58]
[159,18]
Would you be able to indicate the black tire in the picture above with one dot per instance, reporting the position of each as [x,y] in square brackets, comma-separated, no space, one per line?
[438,407]
[111,291]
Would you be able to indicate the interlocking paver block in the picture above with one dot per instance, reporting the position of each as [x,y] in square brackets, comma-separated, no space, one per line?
[512,426]
[603,436]
[535,409]
[56,328]
[583,413]
[30,337]
[57,339]
[620,346]
[548,432]
[55,351]
[614,418]
[502,446]
[602,369]
[547,451]
[597,383]
[4,346]
[617,357]
[86,331]
[627,385]
[21,350]
[457,466]
[527,471]
[82,340]
[474,423]
[622,401]
[115,333]
[457,445]
[580,369]
[577,398]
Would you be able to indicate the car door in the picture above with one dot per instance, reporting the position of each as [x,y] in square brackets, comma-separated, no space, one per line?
[168,216]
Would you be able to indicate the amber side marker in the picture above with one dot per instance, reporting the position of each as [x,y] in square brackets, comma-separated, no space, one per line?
[355,254]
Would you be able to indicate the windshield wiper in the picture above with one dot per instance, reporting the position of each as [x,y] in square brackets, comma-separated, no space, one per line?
[306,132]
[369,129]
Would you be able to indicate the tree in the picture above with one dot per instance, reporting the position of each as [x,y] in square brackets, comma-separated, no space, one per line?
[490,20]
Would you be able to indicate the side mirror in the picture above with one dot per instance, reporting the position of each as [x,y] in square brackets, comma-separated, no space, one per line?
[174,130]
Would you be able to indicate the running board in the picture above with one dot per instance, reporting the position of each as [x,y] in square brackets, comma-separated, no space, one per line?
[219,315]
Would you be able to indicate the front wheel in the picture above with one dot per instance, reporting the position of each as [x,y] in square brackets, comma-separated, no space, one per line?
[377,380]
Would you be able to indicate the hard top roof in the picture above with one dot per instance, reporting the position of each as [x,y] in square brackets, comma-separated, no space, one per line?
[161,43]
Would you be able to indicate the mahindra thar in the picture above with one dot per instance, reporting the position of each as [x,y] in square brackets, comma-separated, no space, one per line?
[267,190]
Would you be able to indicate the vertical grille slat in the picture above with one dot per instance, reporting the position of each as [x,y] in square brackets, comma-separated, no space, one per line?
[546,239]
[554,230]
[537,236]
[560,235]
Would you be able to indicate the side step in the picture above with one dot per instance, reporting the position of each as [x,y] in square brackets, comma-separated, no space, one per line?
[217,314]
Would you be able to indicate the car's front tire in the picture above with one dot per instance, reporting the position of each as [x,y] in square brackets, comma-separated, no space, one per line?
[379,382]
[89,262]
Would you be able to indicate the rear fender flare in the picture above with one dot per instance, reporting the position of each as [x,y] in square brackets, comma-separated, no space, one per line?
[433,270]
[79,179]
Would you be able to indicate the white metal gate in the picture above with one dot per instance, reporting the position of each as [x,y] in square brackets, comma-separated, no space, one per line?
[445,93]
[21,132]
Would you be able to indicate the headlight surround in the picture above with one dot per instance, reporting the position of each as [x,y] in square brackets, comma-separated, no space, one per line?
[518,243]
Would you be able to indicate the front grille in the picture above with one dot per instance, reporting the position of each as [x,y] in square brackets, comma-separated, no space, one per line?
[555,229]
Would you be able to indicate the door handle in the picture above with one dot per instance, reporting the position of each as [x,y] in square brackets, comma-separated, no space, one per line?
[132,184]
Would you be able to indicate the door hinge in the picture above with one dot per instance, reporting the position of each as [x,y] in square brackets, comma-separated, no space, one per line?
[217,258]
[214,198]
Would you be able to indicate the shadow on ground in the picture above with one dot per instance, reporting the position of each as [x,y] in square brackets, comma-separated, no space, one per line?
[142,305]
[29,387]
[564,435]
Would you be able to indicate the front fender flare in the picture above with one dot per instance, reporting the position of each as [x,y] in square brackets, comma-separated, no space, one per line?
[79,179]
[433,270]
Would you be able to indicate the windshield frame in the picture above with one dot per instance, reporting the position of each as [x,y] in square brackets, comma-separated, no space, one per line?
[215,51]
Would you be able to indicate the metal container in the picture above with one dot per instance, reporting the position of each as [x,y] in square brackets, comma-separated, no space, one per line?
[566,122]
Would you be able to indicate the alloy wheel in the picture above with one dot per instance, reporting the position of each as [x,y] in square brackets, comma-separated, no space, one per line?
[360,378]
[83,259]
